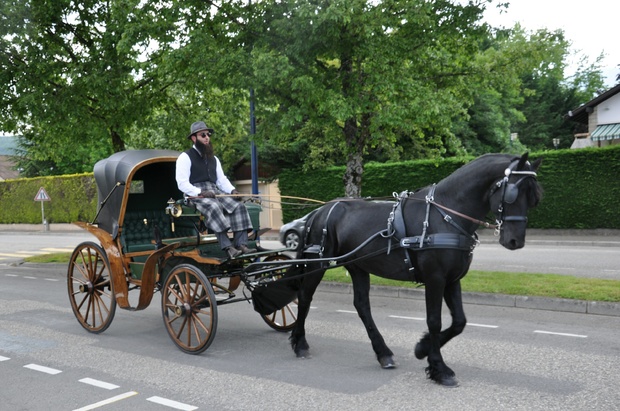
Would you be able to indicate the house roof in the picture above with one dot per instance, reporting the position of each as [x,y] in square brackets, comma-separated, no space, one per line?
[8,144]
[581,113]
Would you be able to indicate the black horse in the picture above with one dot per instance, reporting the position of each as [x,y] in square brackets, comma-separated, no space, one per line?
[427,236]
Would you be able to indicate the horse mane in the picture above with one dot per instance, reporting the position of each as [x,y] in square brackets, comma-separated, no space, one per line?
[491,166]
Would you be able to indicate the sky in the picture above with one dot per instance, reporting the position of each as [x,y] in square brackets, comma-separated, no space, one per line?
[589,26]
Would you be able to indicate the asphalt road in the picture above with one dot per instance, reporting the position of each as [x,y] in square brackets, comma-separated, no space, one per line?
[507,358]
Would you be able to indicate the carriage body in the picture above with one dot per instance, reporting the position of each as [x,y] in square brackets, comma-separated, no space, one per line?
[151,241]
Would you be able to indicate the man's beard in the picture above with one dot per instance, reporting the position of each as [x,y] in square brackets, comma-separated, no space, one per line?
[205,150]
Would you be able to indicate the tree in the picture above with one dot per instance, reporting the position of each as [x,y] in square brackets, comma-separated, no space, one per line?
[79,75]
[351,76]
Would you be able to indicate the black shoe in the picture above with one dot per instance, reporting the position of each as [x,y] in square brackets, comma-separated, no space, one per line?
[245,250]
[233,252]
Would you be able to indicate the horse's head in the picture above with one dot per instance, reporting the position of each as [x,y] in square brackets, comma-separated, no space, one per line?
[511,197]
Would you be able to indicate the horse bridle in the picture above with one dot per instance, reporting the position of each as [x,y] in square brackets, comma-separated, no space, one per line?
[510,192]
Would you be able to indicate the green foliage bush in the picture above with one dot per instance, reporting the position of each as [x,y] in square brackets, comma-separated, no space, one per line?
[73,198]
[581,189]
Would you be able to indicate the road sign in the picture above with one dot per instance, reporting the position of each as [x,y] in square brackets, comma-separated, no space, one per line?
[42,195]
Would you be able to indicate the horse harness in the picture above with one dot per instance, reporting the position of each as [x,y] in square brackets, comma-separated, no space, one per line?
[464,241]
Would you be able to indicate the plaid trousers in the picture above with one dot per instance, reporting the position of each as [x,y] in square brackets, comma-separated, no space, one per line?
[222,213]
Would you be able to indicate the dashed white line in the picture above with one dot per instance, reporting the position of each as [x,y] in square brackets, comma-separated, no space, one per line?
[172,404]
[112,400]
[99,384]
[4,358]
[346,311]
[424,319]
[407,318]
[482,325]
[560,334]
[59,250]
[41,368]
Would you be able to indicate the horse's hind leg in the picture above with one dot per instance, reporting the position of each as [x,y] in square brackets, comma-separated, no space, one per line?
[361,301]
[307,289]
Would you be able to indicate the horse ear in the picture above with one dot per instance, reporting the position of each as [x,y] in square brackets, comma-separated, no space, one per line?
[522,161]
[536,164]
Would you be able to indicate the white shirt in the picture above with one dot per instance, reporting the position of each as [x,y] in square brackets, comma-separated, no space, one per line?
[183,171]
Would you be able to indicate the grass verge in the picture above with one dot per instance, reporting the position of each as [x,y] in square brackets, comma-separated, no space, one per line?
[536,285]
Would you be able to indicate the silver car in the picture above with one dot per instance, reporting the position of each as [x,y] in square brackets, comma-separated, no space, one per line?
[292,234]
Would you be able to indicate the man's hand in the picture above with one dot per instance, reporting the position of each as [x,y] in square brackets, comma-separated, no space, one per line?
[237,197]
[207,194]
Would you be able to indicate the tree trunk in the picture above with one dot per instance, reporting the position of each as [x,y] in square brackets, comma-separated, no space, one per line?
[355,163]
[353,176]
[117,142]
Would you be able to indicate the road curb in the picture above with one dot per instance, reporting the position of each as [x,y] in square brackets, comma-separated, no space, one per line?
[500,300]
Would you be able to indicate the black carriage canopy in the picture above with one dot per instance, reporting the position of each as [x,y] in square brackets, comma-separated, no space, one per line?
[134,180]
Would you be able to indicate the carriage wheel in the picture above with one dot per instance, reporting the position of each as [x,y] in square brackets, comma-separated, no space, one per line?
[90,288]
[285,318]
[189,309]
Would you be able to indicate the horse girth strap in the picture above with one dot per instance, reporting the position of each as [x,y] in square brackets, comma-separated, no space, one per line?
[440,240]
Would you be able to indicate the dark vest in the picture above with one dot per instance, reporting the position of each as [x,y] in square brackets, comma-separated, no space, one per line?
[201,170]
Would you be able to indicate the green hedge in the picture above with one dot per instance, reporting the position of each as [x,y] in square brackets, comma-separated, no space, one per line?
[73,198]
[582,189]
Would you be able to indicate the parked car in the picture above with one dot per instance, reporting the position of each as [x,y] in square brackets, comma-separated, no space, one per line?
[292,234]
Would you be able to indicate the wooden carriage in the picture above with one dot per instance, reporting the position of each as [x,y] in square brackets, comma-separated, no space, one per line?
[151,240]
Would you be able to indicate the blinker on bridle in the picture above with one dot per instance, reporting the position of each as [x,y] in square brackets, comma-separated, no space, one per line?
[510,192]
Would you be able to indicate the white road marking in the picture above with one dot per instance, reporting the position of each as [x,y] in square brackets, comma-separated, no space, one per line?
[561,334]
[407,318]
[59,250]
[51,279]
[172,404]
[30,277]
[41,368]
[15,255]
[346,311]
[424,319]
[4,358]
[108,401]
[482,325]
[99,384]
[11,275]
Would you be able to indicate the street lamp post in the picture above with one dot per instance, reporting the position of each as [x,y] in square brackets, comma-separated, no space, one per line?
[254,154]
[556,143]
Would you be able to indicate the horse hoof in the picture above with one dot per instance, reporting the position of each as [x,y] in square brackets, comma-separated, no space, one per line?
[387,362]
[303,354]
[449,382]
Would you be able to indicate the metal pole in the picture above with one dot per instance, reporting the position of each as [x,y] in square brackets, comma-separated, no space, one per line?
[254,154]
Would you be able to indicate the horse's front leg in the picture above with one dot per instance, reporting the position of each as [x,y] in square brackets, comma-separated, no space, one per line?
[430,344]
[304,299]
[454,301]
[361,301]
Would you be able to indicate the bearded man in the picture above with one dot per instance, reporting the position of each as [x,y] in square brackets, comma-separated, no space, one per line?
[200,177]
